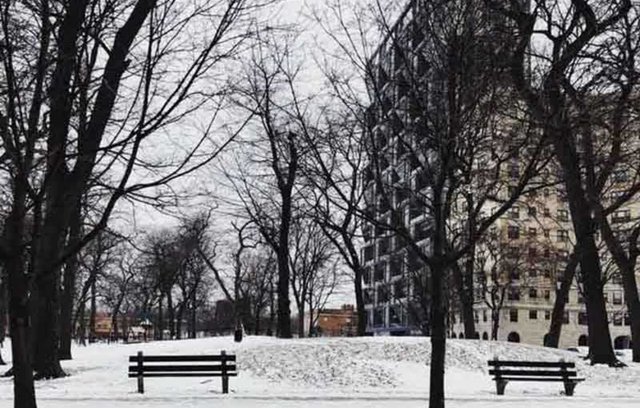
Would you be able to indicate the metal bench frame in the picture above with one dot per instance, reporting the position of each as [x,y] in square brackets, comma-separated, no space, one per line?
[217,366]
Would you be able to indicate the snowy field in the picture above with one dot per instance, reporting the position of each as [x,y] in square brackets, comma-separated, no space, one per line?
[327,373]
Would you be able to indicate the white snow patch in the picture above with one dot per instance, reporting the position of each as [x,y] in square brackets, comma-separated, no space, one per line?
[328,372]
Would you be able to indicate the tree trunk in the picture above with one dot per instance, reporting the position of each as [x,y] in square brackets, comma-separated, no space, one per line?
[600,347]
[361,328]
[272,311]
[193,320]
[92,313]
[464,286]
[179,320]
[82,323]
[160,325]
[438,340]
[24,395]
[46,358]
[633,306]
[495,323]
[626,263]
[171,315]
[69,288]
[283,329]
[114,326]
[438,302]
[3,315]
[557,316]
[310,304]
[301,320]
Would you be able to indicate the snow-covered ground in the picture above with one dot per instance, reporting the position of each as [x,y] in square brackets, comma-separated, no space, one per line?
[327,373]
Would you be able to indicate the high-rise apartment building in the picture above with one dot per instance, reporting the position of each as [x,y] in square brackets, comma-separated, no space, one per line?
[520,261]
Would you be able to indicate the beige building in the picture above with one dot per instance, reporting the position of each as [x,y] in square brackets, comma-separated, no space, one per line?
[524,259]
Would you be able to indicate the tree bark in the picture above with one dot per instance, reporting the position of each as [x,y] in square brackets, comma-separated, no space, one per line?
[438,339]
[160,325]
[600,347]
[495,324]
[92,313]
[3,314]
[465,296]
[171,315]
[557,316]
[69,287]
[626,264]
[19,308]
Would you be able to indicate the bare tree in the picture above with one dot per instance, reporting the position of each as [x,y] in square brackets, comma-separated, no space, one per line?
[336,193]
[269,94]
[565,99]
[310,257]
[437,92]
[106,76]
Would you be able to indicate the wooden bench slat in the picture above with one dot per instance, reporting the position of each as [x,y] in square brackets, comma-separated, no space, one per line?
[540,379]
[180,368]
[213,374]
[541,364]
[186,359]
[541,373]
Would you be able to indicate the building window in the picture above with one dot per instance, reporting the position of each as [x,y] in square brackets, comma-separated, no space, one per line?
[513,294]
[563,215]
[545,232]
[533,252]
[533,232]
[383,293]
[533,315]
[513,232]
[547,294]
[513,315]
[617,319]
[515,212]
[617,298]
[546,212]
[547,315]
[380,272]
[627,319]
[582,319]
[563,235]
[533,293]
[532,212]
[533,273]
[378,317]
[621,216]
[565,318]
[547,273]
[484,315]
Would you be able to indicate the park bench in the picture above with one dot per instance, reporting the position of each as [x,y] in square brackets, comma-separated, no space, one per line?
[221,365]
[560,371]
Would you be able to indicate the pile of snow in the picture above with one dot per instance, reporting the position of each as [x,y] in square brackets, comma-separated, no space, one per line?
[327,372]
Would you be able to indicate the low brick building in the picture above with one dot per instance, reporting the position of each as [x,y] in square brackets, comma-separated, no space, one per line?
[337,322]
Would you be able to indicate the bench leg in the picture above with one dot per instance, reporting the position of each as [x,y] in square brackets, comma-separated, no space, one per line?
[141,384]
[225,385]
[569,386]
[500,386]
